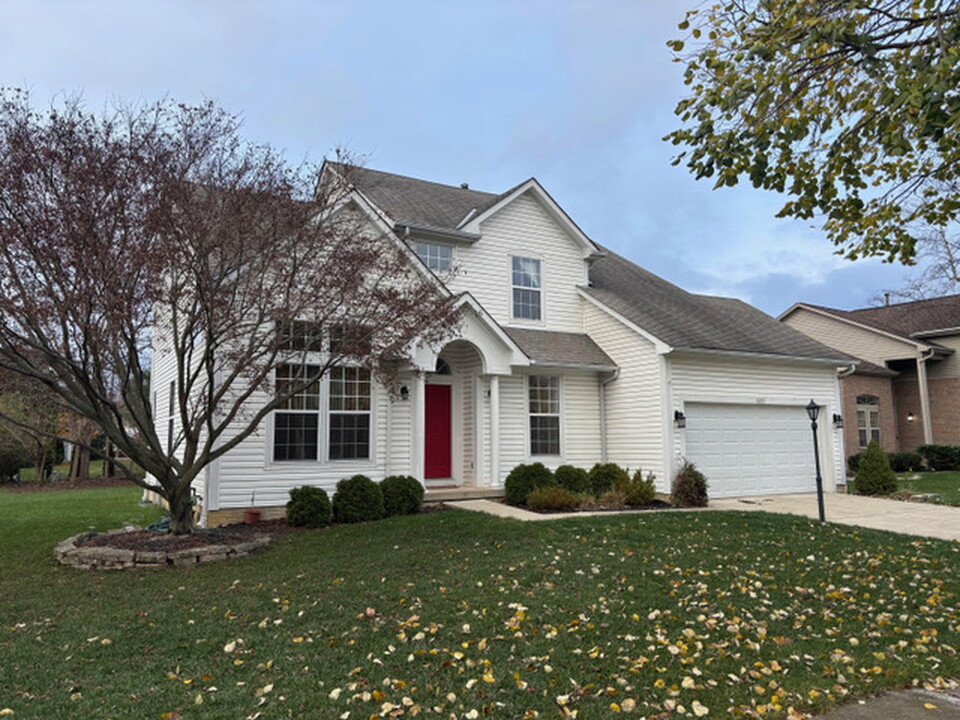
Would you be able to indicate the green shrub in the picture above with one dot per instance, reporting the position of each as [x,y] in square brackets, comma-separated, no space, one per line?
[357,499]
[552,497]
[905,462]
[640,490]
[402,495]
[11,460]
[308,507]
[604,477]
[941,457]
[572,478]
[689,487]
[523,479]
[853,462]
[874,476]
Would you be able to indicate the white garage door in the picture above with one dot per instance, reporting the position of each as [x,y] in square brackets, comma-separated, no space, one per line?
[751,449]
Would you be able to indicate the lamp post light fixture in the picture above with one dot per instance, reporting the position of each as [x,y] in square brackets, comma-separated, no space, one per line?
[813,410]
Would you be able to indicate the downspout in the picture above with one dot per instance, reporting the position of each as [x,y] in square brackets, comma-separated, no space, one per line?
[849,370]
[924,395]
[603,413]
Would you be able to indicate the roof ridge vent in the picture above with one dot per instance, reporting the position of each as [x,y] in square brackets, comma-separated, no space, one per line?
[464,186]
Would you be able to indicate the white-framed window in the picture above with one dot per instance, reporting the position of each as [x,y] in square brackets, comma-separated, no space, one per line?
[346,415]
[868,419]
[296,424]
[438,258]
[525,285]
[543,392]
[349,417]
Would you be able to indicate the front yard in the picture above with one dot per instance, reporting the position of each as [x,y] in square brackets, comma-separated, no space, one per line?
[944,484]
[456,614]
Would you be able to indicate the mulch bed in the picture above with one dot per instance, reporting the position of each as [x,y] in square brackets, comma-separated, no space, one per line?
[53,485]
[655,505]
[148,540]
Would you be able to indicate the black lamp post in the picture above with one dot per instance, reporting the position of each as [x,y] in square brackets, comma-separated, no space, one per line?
[813,410]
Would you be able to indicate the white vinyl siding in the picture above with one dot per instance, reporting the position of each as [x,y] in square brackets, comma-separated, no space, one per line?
[524,229]
[634,426]
[720,379]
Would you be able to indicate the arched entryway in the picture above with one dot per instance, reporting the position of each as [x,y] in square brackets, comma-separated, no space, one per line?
[454,407]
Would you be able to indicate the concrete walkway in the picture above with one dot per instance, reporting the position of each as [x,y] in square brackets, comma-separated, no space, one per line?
[925,519]
[901,705]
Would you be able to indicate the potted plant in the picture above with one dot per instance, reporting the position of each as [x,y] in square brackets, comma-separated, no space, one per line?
[251,516]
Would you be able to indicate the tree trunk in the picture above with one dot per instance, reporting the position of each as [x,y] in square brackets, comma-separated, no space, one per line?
[109,469]
[181,512]
[80,468]
[40,460]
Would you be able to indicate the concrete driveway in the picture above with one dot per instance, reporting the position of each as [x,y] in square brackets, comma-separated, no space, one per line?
[925,519]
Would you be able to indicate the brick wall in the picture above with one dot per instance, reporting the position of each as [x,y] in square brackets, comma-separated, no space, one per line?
[854,385]
[944,412]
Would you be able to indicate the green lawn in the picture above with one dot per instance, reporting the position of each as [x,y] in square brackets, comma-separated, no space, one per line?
[945,484]
[455,614]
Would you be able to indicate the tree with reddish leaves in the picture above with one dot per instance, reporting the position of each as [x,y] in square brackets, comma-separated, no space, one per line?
[158,234]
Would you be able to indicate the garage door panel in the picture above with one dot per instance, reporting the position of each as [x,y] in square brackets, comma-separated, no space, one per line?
[750,449]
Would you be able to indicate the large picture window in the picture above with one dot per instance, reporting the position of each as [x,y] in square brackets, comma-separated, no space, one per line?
[525,284]
[296,424]
[544,397]
[349,413]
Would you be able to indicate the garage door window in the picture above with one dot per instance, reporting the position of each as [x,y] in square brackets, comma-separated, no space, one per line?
[868,419]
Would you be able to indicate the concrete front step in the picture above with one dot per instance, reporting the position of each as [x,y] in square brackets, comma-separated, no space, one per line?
[450,494]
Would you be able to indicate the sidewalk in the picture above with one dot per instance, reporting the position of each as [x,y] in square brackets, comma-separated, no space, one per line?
[902,705]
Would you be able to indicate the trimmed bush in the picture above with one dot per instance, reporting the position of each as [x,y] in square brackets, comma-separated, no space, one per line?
[357,499]
[853,462]
[402,495]
[552,497]
[905,462]
[874,476]
[572,478]
[308,507]
[523,479]
[941,457]
[604,477]
[640,490]
[689,487]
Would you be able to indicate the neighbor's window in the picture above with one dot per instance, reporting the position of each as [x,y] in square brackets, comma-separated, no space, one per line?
[544,395]
[350,394]
[296,424]
[171,412]
[525,283]
[868,419]
[438,258]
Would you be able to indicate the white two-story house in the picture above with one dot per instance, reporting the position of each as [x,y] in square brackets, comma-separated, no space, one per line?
[567,354]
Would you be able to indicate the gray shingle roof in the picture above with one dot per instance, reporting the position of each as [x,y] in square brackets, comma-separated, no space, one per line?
[409,201]
[909,318]
[547,347]
[685,320]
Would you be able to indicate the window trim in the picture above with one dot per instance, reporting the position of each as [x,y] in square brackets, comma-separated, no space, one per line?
[427,259]
[872,432]
[559,415]
[541,290]
[330,412]
[323,425]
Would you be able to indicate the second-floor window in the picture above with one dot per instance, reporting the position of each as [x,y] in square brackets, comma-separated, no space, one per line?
[438,258]
[525,285]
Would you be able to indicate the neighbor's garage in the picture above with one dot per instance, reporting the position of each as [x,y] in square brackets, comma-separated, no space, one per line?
[746,449]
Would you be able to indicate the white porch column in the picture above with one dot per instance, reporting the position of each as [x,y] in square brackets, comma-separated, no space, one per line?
[924,398]
[494,430]
[419,423]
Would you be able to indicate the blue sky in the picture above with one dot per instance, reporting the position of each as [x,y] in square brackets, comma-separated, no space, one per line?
[577,94]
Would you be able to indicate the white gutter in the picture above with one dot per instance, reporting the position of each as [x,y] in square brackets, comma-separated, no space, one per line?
[849,370]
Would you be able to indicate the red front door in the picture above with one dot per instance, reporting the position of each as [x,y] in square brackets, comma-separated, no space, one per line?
[436,443]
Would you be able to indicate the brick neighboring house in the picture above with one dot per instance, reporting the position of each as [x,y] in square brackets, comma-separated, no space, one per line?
[905,391]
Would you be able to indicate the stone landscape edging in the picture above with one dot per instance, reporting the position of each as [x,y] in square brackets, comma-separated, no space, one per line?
[69,552]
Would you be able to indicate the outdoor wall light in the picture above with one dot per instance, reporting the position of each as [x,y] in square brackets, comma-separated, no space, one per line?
[680,419]
[837,420]
[404,393]
[911,417]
